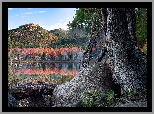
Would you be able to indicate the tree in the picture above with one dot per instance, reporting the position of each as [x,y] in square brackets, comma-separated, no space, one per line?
[141,27]
[43,57]
[128,63]
[123,64]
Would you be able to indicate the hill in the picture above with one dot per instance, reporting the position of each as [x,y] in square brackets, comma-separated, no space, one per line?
[34,36]
[29,36]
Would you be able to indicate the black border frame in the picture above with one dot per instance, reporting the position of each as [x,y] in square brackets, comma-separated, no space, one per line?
[6,5]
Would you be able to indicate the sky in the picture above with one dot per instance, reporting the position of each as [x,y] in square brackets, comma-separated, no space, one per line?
[48,18]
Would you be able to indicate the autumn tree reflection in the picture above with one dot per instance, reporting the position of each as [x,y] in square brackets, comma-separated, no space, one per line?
[57,73]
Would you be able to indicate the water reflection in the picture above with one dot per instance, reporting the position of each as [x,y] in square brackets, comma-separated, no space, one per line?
[49,72]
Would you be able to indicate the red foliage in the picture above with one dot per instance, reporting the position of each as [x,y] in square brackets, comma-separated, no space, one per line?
[48,51]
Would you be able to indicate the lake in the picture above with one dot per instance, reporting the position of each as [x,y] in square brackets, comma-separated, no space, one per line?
[49,72]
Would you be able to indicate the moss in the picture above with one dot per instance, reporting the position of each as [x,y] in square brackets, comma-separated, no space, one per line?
[99,99]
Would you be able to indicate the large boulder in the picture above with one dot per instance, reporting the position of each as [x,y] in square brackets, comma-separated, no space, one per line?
[12,102]
[97,78]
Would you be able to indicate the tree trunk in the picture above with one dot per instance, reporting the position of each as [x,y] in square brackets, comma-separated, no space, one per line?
[96,78]
[125,64]
[129,64]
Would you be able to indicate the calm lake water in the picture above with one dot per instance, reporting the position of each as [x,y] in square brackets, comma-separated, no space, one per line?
[49,72]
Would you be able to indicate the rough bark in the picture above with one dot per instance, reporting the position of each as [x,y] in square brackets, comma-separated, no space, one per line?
[128,65]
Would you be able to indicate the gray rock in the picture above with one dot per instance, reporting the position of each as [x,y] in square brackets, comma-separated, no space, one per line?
[133,104]
[97,78]
[12,102]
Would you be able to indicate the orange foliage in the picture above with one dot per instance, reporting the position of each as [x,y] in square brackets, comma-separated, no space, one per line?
[48,51]
[51,37]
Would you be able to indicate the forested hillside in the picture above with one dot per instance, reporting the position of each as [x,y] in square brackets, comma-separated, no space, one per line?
[29,36]
[33,36]
[32,42]
[69,39]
